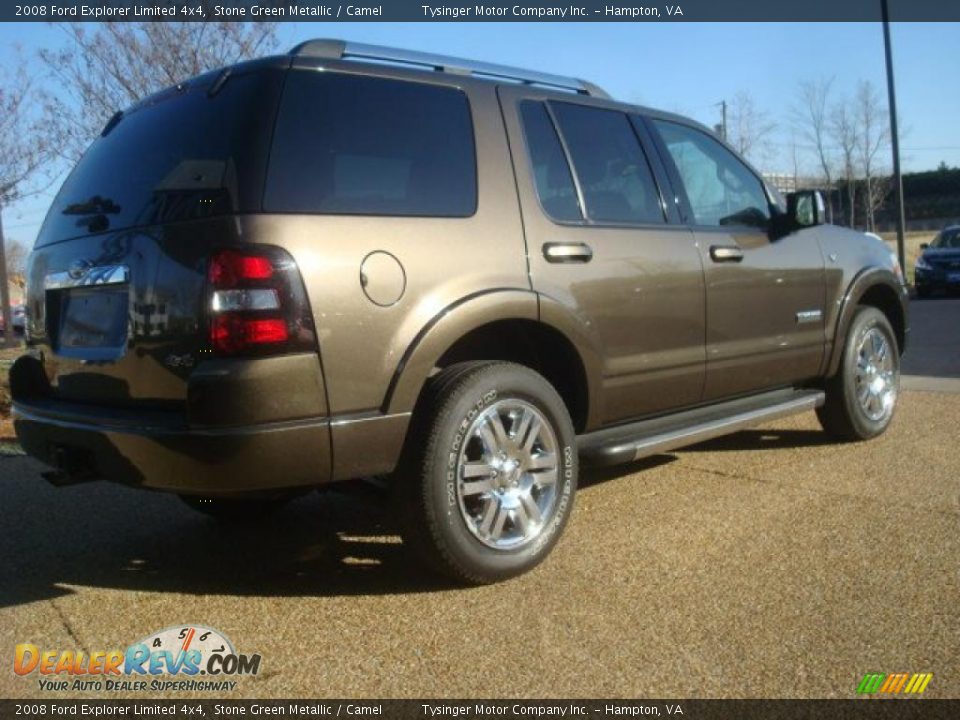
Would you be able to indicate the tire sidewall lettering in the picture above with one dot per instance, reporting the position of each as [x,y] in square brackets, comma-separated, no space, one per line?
[487,399]
[563,503]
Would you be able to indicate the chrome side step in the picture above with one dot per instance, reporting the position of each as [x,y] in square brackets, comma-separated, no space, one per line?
[627,443]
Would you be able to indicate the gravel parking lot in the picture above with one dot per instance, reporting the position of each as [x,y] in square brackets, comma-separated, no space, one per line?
[768,563]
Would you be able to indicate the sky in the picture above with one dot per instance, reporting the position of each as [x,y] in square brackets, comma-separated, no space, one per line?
[687,68]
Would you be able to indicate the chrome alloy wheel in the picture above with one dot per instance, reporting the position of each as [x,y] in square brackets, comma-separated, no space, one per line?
[876,376]
[507,475]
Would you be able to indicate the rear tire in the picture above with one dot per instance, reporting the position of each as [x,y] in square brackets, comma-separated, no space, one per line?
[862,396]
[922,292]
[488,483]
[233,510]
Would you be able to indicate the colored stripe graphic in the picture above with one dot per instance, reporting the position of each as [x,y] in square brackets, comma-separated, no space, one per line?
[870,683]
[919,683]
[894,683]
[898,686]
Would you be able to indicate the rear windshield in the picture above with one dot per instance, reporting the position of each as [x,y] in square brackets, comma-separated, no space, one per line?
[181,156]
[371,146]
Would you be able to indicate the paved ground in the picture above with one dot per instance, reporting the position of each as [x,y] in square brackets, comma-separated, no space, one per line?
[933,360]
[769,563]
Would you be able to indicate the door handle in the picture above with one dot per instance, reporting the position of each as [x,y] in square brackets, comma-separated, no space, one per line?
[726,253]
[567,252]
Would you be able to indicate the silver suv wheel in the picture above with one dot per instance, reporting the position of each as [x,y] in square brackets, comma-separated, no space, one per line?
[507,475]
[875,376]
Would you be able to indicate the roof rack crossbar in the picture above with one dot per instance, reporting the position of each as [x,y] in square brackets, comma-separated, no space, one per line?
[339,50]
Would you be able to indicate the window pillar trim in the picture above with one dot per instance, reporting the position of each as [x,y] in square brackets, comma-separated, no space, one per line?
[581,199]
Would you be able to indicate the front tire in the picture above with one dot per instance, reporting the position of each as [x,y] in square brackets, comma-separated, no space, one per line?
[489,494]
[862,396]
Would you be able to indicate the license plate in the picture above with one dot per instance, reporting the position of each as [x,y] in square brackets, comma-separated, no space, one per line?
[93,322]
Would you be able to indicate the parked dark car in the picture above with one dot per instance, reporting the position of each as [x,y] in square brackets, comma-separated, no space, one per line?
[19,318]
[938,267]
[352,261]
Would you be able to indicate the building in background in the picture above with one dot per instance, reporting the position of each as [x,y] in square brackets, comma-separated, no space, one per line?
[788,182]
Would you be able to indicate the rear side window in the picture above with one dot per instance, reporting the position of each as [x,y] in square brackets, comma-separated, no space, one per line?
[615,178]
[373,146]
[551,173]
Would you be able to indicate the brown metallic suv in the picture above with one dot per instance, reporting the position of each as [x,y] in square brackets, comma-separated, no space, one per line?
[352,261]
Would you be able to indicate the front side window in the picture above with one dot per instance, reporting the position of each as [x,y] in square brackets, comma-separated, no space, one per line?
[352,144]
[721,189]
[615,178]
[551,173]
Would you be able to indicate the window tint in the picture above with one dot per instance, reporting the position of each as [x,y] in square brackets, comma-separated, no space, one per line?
[558,196]
[720,188]
[181,155]
[614,176]
[354,144]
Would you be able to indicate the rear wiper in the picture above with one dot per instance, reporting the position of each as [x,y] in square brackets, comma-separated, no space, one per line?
[112,123]
[219,82]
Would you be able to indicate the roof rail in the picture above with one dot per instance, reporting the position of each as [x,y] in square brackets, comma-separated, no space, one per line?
[339,49]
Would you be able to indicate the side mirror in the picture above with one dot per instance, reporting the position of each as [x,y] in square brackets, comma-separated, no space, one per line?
[806,208]
[924,246]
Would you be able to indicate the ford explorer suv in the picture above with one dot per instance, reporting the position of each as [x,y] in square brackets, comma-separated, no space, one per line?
[352,261]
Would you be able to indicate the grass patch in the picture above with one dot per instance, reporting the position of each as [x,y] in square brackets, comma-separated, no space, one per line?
[911,247]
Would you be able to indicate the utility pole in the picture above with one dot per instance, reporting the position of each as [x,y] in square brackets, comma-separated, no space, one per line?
[723,115]
[894,136]
[8,339]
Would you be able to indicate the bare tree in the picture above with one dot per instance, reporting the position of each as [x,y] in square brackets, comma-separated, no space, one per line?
[811,118]
[16,255]
[106,68]
[750,128]
[845,134]
[874,136]
[880,187]
[24,149]
[795,160]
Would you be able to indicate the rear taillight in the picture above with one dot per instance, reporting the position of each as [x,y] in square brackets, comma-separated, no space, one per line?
[229,268]
[257,304]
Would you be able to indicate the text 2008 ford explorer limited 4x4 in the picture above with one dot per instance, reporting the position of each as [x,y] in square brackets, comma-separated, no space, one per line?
[323,266]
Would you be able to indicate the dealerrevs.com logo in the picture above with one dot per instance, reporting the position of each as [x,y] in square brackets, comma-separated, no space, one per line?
[182,657]
[894,683]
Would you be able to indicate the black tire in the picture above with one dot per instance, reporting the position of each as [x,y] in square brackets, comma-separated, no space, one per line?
[922,292]
[234,510]
[843,415]
[435,507]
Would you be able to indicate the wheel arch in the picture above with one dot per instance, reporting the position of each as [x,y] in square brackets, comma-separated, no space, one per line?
[876,287]
[507,325]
